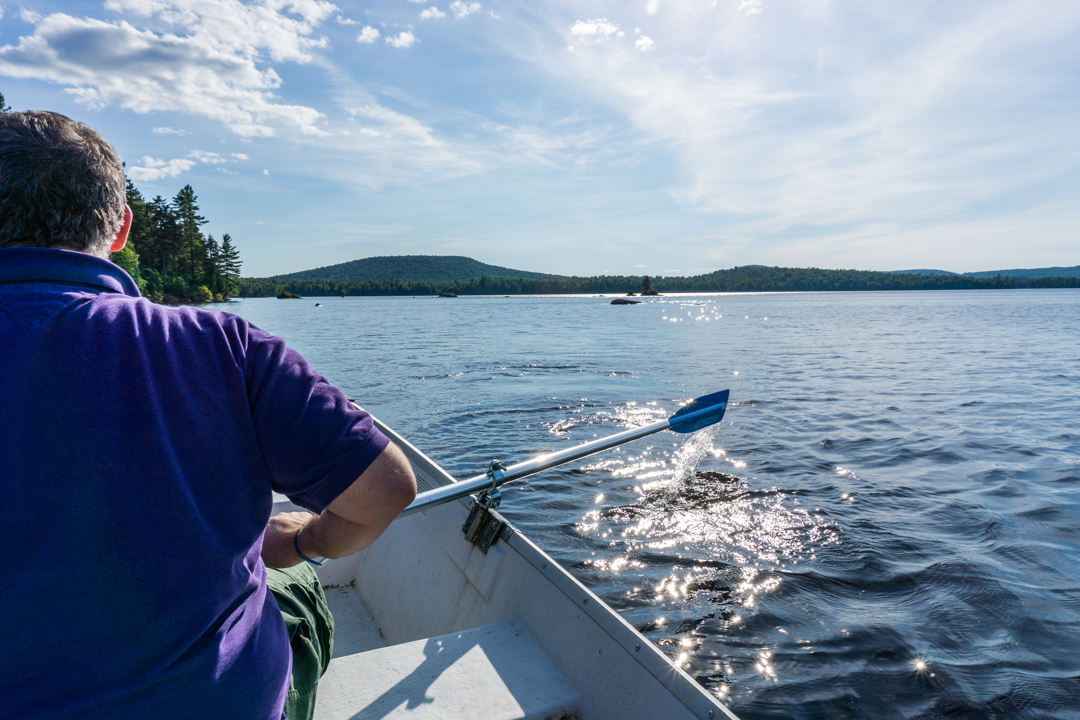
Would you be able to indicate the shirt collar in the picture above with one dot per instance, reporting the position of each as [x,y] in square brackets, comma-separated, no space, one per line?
[63,267]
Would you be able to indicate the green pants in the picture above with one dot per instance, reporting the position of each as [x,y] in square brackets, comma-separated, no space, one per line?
[310,626]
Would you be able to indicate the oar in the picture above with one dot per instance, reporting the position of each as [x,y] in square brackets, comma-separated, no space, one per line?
[704,411]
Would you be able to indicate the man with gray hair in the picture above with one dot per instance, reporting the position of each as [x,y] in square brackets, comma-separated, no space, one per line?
[139,449]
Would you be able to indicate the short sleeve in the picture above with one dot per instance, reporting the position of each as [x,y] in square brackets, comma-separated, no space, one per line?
[314,441]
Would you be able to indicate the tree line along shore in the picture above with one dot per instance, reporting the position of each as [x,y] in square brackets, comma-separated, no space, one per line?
[170,258]
[744,279]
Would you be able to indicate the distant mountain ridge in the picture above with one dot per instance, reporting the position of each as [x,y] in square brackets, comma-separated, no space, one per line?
[1018,272]
[1029,273]
[412,268]
[920,272]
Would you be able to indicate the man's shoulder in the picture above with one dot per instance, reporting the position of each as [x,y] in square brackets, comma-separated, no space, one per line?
[181,315]
[149,322]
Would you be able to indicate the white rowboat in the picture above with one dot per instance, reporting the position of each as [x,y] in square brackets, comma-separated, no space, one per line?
[431,626]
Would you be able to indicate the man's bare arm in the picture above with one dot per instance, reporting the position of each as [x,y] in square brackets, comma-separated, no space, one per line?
[352,521]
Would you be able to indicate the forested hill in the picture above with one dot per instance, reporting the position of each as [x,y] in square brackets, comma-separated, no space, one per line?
[435,269]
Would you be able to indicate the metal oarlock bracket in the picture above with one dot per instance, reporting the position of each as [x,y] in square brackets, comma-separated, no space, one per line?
[482,528]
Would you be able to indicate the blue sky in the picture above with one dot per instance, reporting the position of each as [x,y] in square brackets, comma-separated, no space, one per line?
[657,137]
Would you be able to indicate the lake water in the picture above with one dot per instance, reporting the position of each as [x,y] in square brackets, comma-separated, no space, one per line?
[886,525]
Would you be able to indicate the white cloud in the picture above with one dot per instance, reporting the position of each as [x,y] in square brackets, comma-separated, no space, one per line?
[182,64]
[152,169]
[652,7]
[432,12]
[562,142]
[283,29]
[211,158]
[240,156]
[342,20]
[402,40]
[884,130]
[367,35]
[266,172]
[29,16]
[752,7]
[212,69]
[169,131]
[644,43]
[492,13]
[395,124]
[226,171]
[599,28]
[396,148]
[461,9]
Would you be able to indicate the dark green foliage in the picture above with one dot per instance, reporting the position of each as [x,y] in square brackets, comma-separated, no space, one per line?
[4,107]
[744,279]
[434,269]
[128,260]
[168,255]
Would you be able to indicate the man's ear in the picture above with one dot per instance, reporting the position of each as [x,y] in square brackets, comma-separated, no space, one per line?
[122,235]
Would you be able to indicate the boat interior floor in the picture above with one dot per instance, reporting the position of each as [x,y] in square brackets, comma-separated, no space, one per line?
[492,672]
[355,630]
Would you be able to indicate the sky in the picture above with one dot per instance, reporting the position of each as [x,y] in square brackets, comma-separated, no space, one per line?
[658,137]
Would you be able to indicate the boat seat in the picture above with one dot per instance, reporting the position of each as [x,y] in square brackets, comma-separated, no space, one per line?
[493,672]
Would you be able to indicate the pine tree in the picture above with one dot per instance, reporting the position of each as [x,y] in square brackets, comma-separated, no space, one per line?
[191,238]
[228,265]
[141,236]
[167,234]
[212,275]
[4,107]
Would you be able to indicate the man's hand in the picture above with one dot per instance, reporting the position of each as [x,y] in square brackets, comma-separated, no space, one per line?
[278,550]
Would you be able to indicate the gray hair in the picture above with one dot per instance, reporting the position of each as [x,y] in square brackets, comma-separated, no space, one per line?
[61,184]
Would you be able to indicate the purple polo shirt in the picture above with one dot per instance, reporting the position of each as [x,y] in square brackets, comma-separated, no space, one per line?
[139,445]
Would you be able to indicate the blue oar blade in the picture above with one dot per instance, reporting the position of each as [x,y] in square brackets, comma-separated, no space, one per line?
[704,411]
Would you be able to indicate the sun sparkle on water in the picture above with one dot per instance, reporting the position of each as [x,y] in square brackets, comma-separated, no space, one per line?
[744,532]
